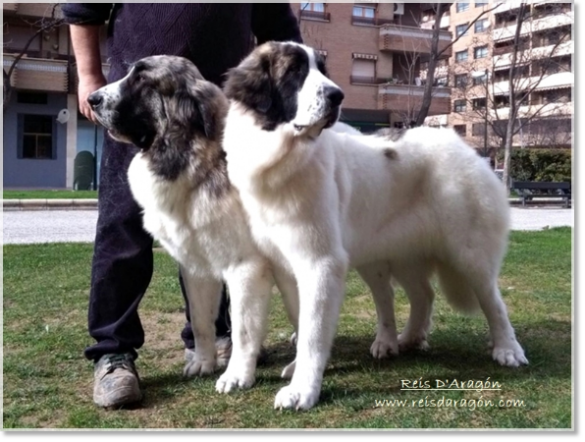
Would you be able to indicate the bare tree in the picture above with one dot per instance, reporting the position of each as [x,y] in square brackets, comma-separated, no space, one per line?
[504,98]
[43,25]
[436,54]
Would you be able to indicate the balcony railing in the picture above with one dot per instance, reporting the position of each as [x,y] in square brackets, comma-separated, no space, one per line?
[39,74]
[357,79]
[398,38]
[315,15]
[9,7]
[405,98]
[370,21]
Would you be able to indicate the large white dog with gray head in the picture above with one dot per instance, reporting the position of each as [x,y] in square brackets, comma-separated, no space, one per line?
[322,199]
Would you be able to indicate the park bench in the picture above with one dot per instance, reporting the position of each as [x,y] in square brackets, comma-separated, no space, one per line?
[530,190]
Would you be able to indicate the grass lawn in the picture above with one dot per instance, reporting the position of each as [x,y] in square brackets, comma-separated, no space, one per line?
[48,194]
[48,383]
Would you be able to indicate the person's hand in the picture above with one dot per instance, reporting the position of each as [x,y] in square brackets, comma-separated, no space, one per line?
[87,85]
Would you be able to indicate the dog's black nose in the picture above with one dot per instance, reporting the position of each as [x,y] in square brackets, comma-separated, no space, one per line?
[95,99]
[334,96]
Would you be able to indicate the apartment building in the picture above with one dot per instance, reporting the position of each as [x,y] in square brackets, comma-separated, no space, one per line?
[46,142]
[373,52]
[479,69]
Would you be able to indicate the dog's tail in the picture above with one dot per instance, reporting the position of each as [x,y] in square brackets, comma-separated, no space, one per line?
[456,288]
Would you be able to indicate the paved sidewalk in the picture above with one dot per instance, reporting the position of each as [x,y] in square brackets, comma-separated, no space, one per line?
[39,226]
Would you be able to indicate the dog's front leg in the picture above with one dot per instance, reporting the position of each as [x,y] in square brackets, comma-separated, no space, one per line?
[204,295]
[287,285]
[321,289]
[250,288]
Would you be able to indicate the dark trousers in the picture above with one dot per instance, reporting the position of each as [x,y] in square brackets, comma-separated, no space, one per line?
[123,263]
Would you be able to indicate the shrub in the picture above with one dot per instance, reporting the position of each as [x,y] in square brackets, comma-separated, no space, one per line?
[541,164]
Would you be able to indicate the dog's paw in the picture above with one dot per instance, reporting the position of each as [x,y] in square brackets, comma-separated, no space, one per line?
[295,398]
[199,367]
[229,381]
[510,355]
[289,370]
[383,348]
[412,342]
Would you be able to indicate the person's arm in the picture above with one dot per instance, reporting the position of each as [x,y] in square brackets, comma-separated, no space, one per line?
[85,20]
[275,21]
[86,47]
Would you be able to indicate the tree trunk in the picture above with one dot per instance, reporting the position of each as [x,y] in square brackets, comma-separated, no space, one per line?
[428,90]
[6,91]
[513,104]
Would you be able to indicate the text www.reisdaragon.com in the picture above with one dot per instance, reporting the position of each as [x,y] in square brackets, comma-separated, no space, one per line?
[468,404]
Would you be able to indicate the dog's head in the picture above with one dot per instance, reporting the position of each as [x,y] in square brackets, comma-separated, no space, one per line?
[163,106]
[286,84]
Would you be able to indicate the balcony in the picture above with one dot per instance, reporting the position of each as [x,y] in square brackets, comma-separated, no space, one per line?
[559,80]
[507,30]
[360,80]
[38,74]
[370,21]
[9,8]
[315,15]
[406,98]
[396,38]
[505,59]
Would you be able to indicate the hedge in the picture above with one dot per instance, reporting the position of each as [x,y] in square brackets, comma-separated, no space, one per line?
[541,164]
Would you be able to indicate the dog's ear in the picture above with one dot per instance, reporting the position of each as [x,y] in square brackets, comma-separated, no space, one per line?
[193,114]
[251,83]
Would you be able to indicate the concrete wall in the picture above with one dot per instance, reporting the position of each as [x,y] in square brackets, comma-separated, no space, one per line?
[30,173]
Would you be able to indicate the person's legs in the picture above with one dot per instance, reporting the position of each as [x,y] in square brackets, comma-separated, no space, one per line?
[122,260]
[222,324]
[121,272]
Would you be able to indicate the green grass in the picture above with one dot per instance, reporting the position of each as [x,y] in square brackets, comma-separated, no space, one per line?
[48,383]
[48,194]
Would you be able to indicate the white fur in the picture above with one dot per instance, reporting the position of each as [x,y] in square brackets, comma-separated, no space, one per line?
[210,238]
[311,103]
[318,206]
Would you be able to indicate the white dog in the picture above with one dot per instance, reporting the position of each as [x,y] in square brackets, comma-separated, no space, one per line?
[322,200]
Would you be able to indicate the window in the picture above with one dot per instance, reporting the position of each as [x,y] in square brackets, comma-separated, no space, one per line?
[460,105]
[481,25]
[461,29]
[37,137]
[479,79]
[478,129]
[314,7]
[314,11]
[461,129]
[461,80]
[462,6]
[478,103]
[363,71]
[365,15]
[32,98]
[364,11]
[480,4]
[442,81]
[461,56]
[480,52]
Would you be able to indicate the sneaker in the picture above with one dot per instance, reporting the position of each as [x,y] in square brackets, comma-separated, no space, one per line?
[116,381]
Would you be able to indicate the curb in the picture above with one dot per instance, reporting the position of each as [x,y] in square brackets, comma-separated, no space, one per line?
[50,204]
[92,204]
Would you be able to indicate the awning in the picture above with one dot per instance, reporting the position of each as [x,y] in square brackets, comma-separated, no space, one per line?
[364,56]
